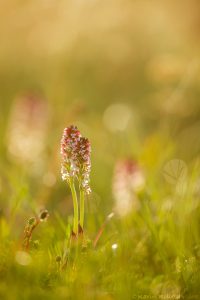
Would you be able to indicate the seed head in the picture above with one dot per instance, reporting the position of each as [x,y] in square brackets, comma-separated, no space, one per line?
[43,216]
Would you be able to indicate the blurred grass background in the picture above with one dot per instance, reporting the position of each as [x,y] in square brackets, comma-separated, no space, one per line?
[127,73]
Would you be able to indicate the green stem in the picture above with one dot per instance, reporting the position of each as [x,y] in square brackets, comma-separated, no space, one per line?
[75,203]
[82,200]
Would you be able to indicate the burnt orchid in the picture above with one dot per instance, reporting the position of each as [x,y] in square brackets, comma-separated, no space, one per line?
[76,166]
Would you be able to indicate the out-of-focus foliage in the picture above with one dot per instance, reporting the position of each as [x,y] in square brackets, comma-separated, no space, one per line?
[127,73]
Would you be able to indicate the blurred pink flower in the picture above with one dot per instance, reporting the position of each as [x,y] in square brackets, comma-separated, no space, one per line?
[28,128]
[128,181]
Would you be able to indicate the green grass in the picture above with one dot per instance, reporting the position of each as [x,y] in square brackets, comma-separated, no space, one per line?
[156,253]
